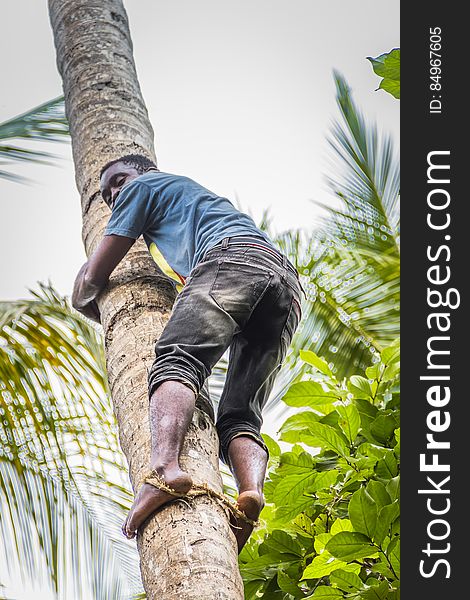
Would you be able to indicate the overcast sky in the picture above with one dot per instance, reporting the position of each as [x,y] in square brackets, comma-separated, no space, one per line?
[241,97]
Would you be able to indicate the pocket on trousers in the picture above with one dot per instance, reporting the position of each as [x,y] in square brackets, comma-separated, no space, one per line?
[291,324]
[238,287]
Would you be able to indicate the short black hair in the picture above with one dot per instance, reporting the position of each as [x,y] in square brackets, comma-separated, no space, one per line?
[138,161]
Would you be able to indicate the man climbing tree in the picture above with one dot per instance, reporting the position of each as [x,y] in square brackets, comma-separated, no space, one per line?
[239,292]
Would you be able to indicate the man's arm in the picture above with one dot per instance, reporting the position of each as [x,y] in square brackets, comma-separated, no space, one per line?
[94,274]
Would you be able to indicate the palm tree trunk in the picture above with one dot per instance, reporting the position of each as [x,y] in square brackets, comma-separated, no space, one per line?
[187,551]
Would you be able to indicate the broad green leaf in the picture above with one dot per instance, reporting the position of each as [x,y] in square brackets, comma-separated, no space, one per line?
[292,487]
[349,421]
[290,511]
[282,542]
[293,464]
[288,585]
[376,592]
[251,587]
[253,569]
[348,582]
[367,411]
[397,437]
[326,437]
[387,514]
[388,66]
[393,553]
[312,359]
[387,467]
[391,371]
[360,387]
[390,355]
[393,488]
[391,86]
[341,525]
[304,524]
[373,372]
[273,446]
[308,393]
[383,426]
[379,493]
[323,565]
[368,449]
[294,427]
[350,545]
[324,480]
[325,592]
[363,512]
[321,540]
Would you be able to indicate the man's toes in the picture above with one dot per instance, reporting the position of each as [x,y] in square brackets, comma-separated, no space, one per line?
[127,532]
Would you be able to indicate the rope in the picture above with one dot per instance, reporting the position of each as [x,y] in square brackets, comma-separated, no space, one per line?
[198,489]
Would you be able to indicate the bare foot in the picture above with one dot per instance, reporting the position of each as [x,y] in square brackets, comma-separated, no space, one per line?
[149,499]
[251,503]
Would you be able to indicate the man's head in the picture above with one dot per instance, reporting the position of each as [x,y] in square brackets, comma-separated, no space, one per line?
[116,173]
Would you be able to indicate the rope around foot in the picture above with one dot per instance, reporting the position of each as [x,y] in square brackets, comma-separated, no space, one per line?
[197,489]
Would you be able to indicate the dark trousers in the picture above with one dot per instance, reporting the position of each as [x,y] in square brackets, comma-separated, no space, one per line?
[240,296]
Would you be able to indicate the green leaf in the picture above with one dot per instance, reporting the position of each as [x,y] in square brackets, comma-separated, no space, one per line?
[363,512]
[252,586]
[391,372]
[376,592]
[326,437]
[387,467]
[312,359]
[388,66]
[288,512]
[379,493]
[253,569]
[387,514]
[391,354]
[308,393]
[324,480]
[360,387]
[324,591]
[373,372]
[348,582]
[393,488]
[293,464]
[282,542]
[323,565]
[350,545]
[321,540]
[367,411]
[341,525]
[273,446]
[350,421]
[367,449]
[295,426]
[383,426]
[292,487]
[288,585]
[393,553]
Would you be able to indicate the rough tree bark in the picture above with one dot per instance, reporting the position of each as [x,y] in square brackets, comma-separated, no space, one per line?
[187,551]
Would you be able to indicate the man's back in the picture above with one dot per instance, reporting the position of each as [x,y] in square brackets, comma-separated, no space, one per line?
[181,217]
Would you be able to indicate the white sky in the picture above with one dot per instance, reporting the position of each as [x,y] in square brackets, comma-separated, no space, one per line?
[240,95]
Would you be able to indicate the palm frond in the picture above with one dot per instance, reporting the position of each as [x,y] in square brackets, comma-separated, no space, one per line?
[46,122]
[64,488]
[367,182]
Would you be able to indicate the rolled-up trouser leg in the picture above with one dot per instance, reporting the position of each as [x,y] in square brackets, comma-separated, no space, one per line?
[256,356]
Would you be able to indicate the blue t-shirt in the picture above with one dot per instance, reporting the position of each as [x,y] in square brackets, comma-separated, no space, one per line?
[182,218]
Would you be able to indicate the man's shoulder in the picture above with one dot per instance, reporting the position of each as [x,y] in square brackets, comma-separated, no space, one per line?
[155,178]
